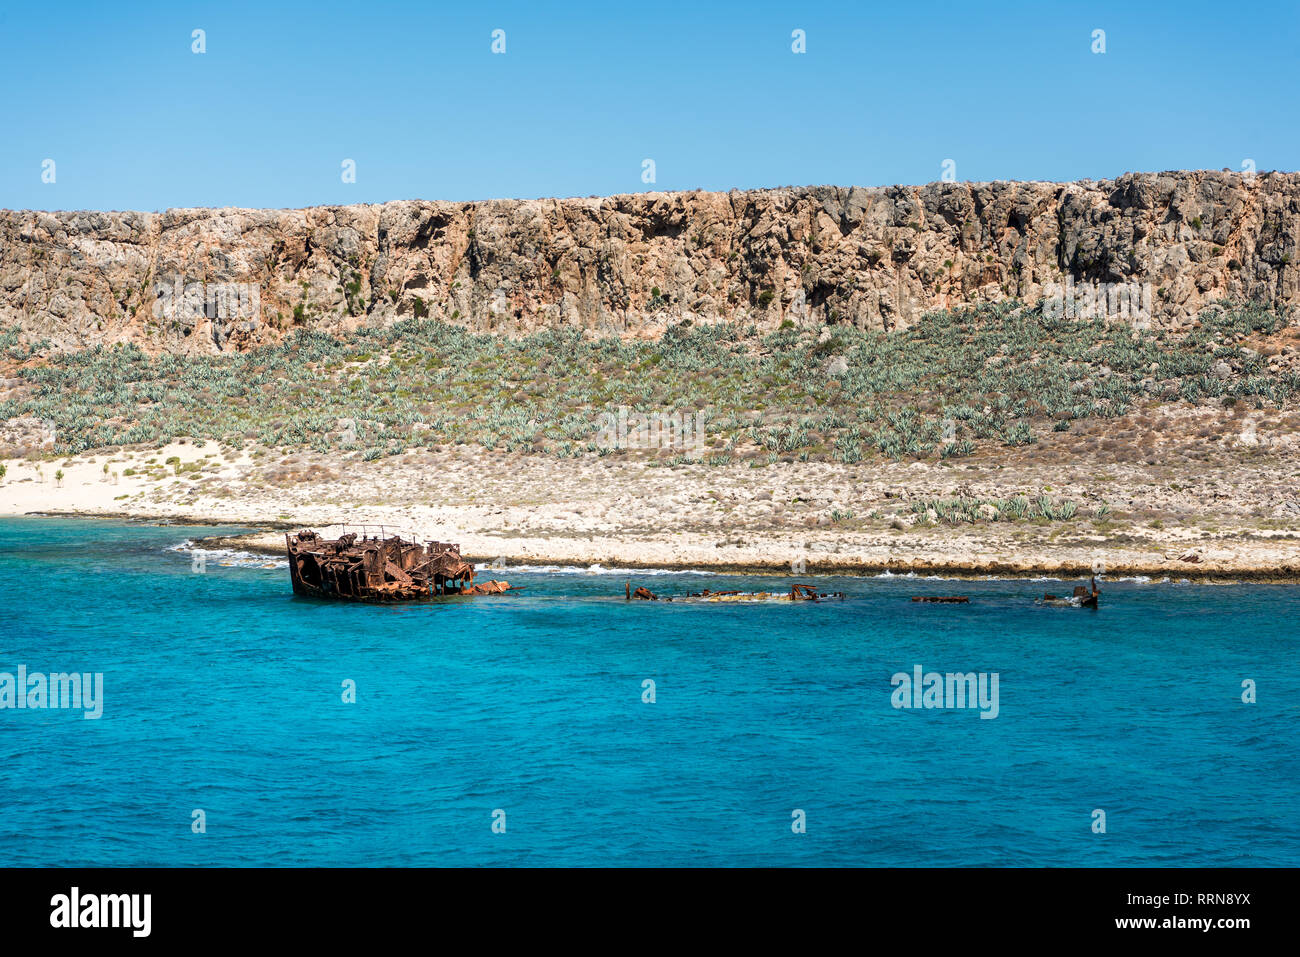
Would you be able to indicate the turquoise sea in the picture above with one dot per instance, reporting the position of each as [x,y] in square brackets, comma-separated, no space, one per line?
[224,693]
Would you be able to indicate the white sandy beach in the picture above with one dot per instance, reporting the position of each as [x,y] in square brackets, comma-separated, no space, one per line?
[1234,522]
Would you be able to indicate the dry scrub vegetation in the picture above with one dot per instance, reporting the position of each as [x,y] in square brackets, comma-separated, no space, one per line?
[992,380]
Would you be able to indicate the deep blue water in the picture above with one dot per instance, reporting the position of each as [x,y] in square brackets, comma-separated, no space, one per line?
[222,692]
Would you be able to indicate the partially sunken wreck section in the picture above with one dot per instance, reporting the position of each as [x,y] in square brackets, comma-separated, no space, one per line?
[380,569]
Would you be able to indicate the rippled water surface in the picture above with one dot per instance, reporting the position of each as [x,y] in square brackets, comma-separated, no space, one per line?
[222,692]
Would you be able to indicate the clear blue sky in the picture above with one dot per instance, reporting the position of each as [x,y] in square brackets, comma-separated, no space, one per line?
[585,91]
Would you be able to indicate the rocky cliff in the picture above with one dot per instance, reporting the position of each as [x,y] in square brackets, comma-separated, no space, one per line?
[198,280]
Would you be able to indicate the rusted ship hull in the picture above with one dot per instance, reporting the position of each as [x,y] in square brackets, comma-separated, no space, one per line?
[325,590]
[380,570]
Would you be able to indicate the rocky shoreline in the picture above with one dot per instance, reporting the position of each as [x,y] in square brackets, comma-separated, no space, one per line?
[268,539]
[1007,514]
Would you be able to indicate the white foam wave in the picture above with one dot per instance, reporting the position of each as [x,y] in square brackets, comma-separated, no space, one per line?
[229,557]
[592,570]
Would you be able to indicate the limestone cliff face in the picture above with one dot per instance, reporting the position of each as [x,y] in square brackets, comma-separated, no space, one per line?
[635,264]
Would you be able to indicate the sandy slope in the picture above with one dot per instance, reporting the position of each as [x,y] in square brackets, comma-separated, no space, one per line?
[1229,521]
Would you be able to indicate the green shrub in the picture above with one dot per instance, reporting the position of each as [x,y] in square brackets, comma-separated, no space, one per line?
[1002,371]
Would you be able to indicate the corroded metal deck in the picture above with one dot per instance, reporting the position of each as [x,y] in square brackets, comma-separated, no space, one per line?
[380,569]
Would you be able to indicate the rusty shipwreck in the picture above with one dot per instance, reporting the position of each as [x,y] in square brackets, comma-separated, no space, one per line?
[379,568]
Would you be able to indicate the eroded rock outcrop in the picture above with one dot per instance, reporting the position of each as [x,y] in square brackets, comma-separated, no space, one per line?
[197,280]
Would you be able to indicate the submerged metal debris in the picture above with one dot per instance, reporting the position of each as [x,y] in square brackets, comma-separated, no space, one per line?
[380,569]
[797,592]
[1082,597]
